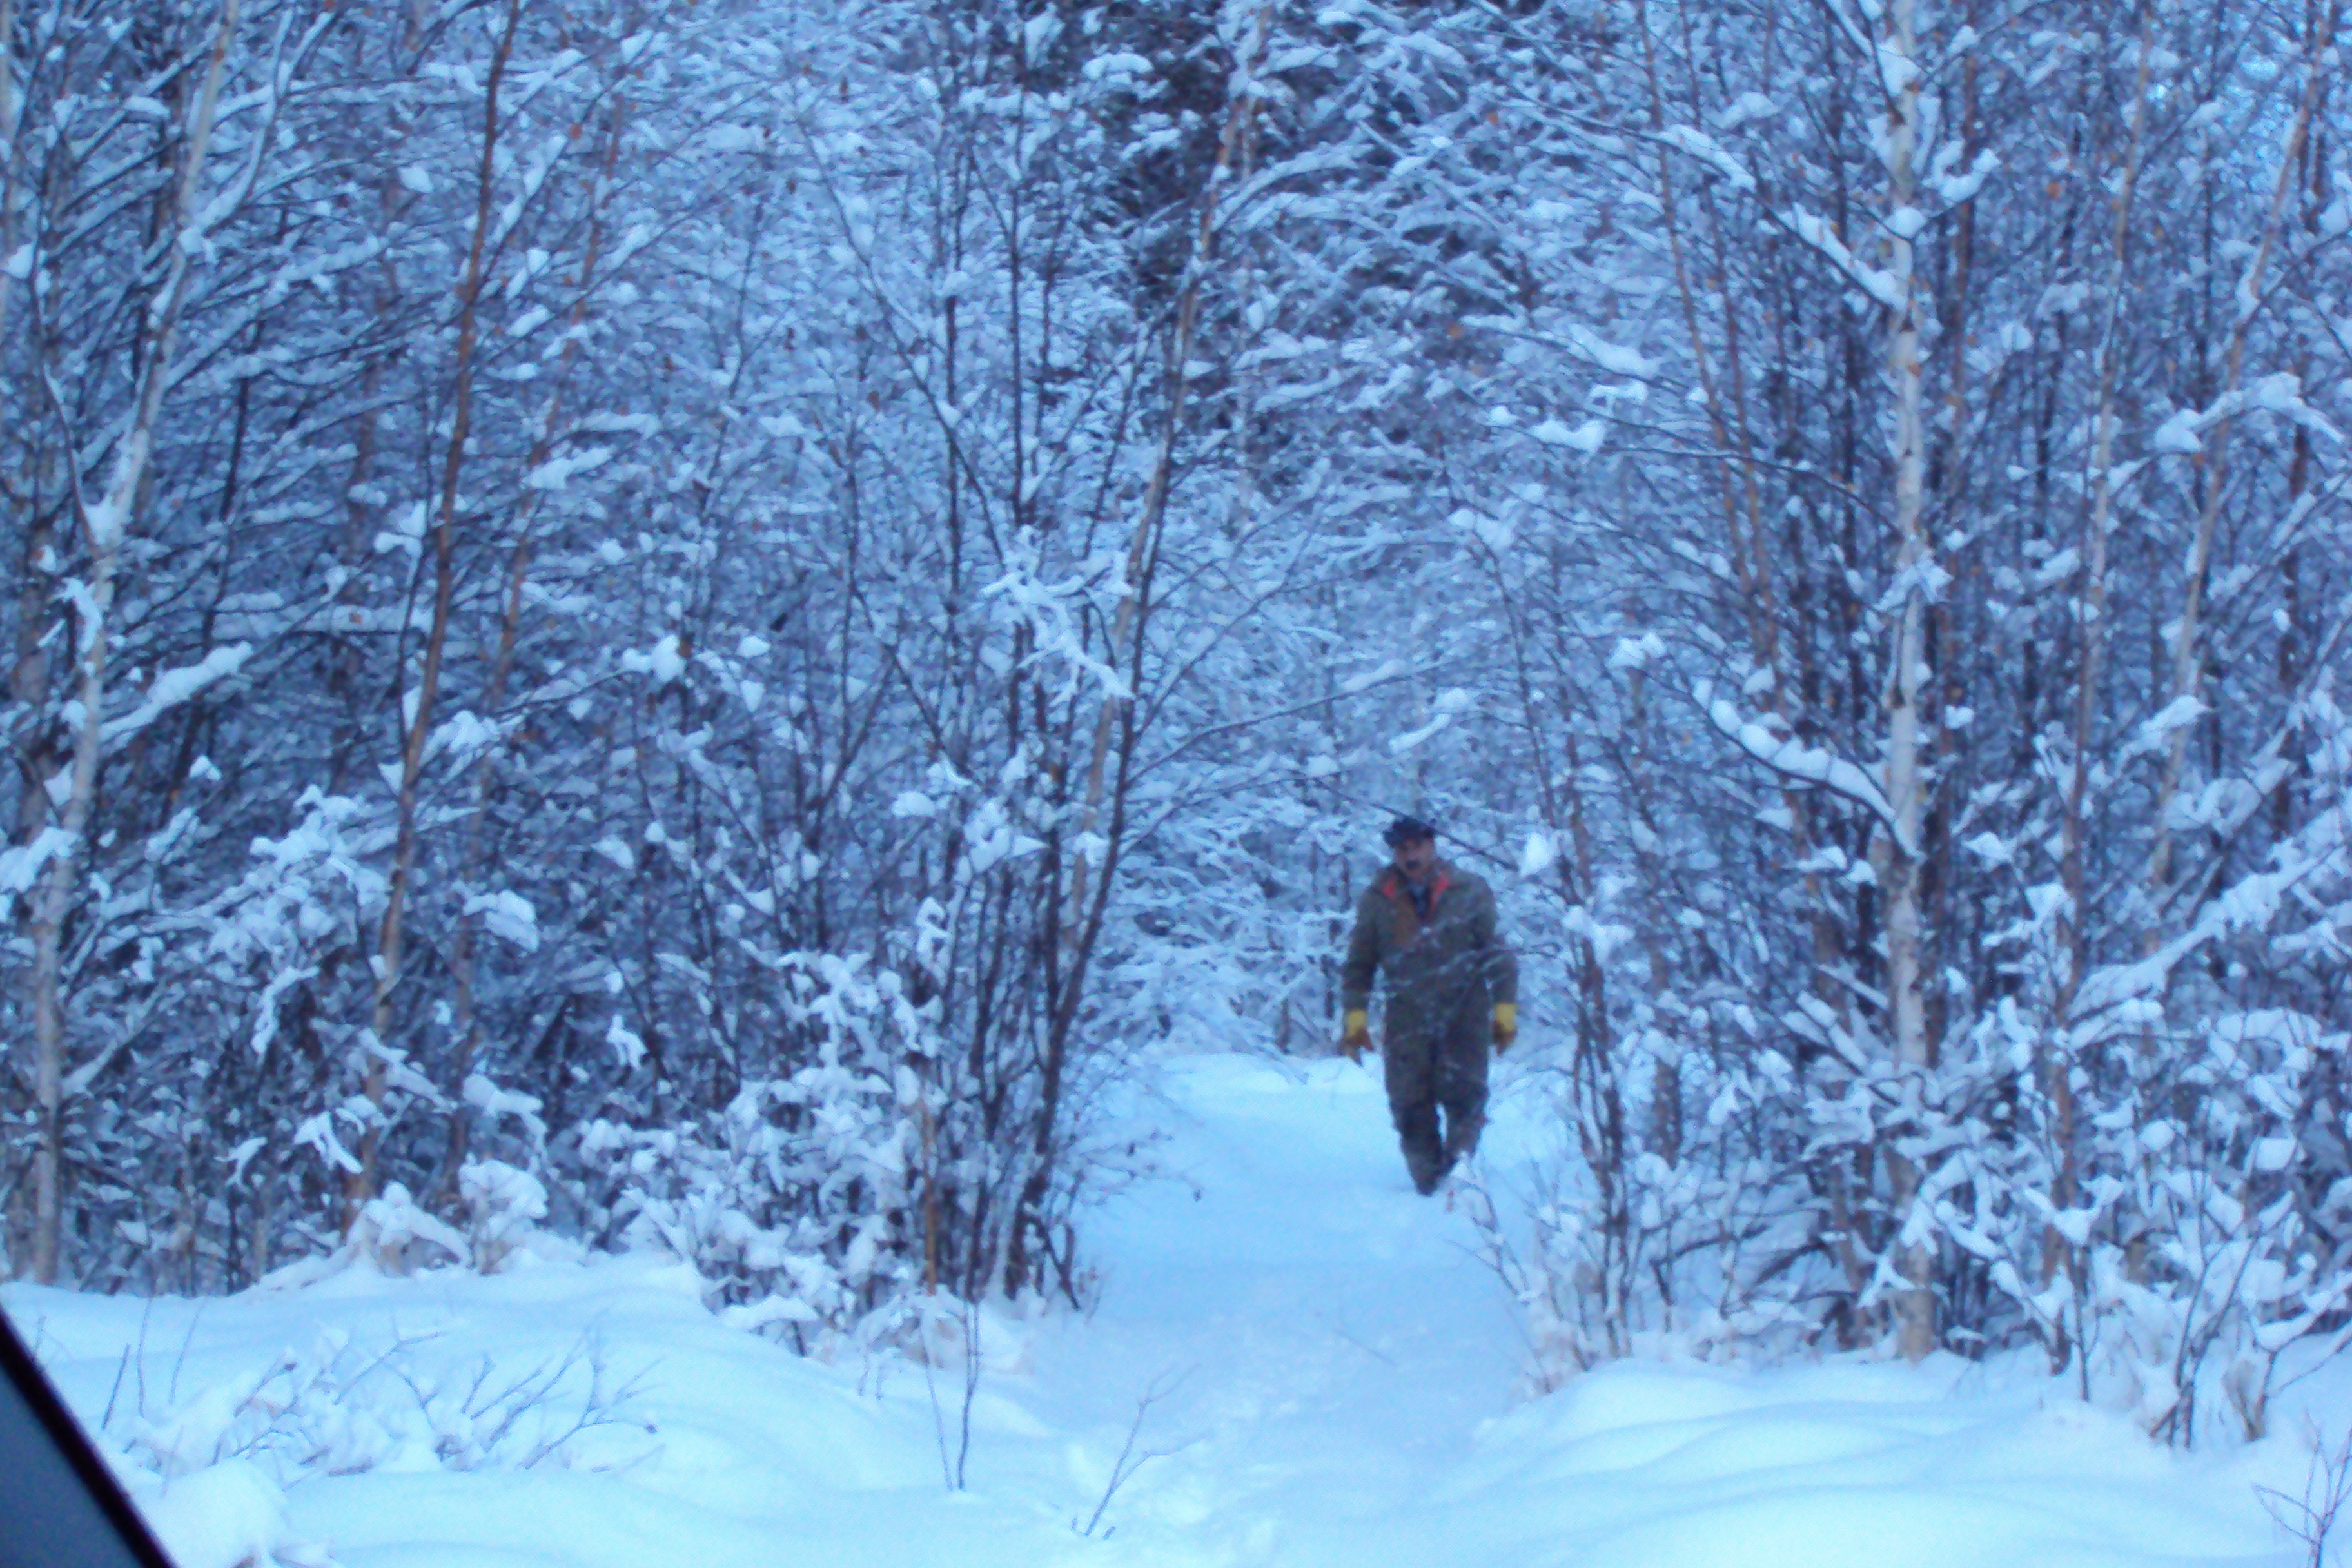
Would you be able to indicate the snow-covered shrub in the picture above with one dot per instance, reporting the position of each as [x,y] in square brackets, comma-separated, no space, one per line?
[211,1469]
[2199,1244]
[397,1235]
[797,1200]
[341,1406]
[2142,1172]
[1697,1268]
[2143,1160]
[503,1204]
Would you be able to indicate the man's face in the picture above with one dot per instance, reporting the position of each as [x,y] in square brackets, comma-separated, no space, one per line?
[1414,857]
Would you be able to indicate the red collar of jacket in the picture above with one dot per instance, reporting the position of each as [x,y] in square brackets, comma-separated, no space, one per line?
[1392,884]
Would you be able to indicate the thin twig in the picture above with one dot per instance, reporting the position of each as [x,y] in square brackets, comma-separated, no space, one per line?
[1129,1461]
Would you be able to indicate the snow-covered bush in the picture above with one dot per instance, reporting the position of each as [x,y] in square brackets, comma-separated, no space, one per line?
[2200,1243]
[210,1468]
[395,1233]
[800,1200]
[1698,1265]
[341,1406]
[503,1207]
[2148,1185]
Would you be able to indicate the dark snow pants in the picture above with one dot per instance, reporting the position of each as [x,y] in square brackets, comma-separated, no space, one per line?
[1429,1068]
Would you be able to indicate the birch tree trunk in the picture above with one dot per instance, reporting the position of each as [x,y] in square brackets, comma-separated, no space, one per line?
[104,527]
[1906,783]
[12,159]
[29,677]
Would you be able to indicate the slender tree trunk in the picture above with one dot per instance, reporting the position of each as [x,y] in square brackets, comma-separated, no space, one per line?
[12,158]
[104,528]
[1242,108]
[461,948]
[2186,652]
[2094,620]
[1906,783]
[359,1185]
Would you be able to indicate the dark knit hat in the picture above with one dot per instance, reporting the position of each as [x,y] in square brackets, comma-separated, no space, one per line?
[1407,830]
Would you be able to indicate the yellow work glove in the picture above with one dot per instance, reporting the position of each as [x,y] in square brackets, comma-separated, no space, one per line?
[1356,1037]
[1506,1026]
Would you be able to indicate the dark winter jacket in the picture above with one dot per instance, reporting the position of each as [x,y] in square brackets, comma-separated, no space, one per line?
[1451,966]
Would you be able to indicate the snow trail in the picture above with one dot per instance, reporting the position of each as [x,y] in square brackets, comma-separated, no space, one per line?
[1337,1340]
[1338,1373]
[1354,1376]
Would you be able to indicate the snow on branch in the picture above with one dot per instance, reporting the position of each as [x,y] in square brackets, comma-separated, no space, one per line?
[2121,996]
[1793,760]
[175,687]
[1706,149]
[1815,231]
[2183,435]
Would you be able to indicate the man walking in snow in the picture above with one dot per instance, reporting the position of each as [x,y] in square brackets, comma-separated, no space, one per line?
[1453,985]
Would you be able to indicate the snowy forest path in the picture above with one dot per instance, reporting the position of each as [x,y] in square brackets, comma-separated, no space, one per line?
[1352,1395]
[1337,1339]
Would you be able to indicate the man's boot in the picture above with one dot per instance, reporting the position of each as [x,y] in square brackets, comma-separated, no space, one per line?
[1462,1088]
[1424,1156]
[1461,1137]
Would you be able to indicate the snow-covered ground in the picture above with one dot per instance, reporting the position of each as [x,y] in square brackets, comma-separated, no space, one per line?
[1334,1371]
